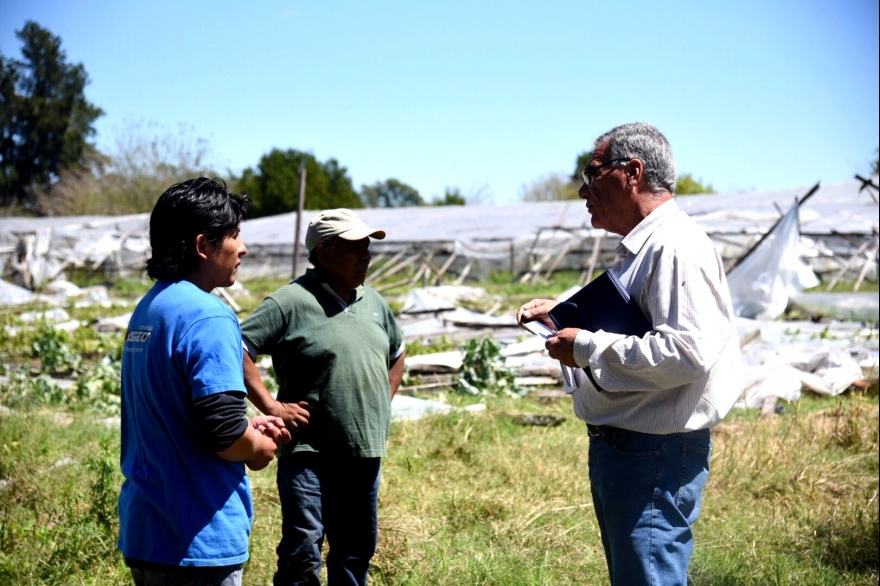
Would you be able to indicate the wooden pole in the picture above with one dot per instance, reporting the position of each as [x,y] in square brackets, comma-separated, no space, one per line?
[512,263]
[301,202]
[587,273]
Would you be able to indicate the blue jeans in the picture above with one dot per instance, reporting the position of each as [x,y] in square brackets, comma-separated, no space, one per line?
[647,491]
[188,576]
[323,495]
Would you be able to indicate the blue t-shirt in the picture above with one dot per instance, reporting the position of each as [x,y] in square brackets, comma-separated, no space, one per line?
[181,504]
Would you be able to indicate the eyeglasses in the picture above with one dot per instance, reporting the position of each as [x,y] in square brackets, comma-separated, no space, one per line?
[589,172]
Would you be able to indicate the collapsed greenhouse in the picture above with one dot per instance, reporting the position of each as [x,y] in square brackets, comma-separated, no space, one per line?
[773,243]
[837,224]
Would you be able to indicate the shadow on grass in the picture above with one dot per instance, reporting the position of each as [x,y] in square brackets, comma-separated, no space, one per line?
[850,545]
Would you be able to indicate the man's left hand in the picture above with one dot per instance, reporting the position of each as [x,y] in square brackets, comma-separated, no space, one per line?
[561,346]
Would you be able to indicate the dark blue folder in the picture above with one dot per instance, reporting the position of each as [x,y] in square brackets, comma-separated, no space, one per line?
[604,304]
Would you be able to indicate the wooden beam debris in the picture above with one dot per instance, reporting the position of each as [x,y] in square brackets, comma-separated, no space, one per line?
[866,184]
[446,265]
[399,267]
[464,273]
[389,264]
[849,263]
[587,273]
[868,262]
[388,286]
[571,242]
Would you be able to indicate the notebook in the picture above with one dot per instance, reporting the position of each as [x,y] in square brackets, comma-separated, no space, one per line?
[604,304]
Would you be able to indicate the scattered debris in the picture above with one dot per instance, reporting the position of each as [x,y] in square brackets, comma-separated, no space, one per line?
[59,464]
[539,420]
[14,295]
[422,301]
[63,287]
[405,408]
[48,316]
[113,324]
[789,357]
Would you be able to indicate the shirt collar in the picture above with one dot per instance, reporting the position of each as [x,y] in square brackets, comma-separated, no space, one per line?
[634,241]
[358,293]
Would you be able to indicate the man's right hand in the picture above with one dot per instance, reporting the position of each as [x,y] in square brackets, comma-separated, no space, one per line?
[537,310]
[295,415]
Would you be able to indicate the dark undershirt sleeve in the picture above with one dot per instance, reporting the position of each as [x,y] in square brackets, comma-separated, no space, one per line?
[220,419]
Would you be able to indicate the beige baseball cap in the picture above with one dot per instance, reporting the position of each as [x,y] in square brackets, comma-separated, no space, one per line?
[340,222]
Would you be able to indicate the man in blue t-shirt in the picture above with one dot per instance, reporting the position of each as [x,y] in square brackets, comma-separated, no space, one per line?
[185,508]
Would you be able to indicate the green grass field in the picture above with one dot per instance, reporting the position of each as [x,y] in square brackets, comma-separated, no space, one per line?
[467,498]
[475,498]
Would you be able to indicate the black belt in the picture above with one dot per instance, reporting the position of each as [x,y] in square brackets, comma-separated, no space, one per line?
[597,430]
[606,432]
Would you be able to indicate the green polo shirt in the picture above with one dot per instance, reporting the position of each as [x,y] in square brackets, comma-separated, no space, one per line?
[335,357]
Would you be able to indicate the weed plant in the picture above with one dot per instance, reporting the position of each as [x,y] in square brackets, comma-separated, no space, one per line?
[483,369]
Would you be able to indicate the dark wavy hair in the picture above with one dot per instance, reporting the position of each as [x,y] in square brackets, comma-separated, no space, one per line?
[185,210]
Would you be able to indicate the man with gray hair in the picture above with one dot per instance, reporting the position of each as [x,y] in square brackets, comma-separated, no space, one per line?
[649,401]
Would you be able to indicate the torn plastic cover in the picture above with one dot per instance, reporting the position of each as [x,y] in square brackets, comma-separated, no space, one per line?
[762,284]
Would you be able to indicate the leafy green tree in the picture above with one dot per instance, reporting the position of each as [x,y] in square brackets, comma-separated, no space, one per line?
[390,194]
[579,164]
[687,185]
[452,197]
[45,117]
[274,184]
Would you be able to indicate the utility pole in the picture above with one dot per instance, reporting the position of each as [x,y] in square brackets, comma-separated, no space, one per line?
[301,202]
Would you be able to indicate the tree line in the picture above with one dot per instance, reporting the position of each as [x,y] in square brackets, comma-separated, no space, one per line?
[49,164]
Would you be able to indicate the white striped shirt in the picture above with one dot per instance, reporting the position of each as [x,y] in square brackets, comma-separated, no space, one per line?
[685,373]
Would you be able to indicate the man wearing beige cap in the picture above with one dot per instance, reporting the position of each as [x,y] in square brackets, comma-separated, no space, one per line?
[338,357]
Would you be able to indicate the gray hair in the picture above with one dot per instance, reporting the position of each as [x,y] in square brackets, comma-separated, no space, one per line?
[644,142]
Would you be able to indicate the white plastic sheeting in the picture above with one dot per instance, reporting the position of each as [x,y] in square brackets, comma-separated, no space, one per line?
[494,236]
[404,408]
[762,284]
[14,295]
[424,301]
[789,357]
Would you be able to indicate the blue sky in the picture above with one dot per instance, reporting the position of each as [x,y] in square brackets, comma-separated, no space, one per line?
[486,95]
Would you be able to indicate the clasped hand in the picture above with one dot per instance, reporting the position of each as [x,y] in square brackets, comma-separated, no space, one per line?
[272,427]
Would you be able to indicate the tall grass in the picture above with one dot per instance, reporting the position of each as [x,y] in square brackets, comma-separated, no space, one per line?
[60,481]
[475,498]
